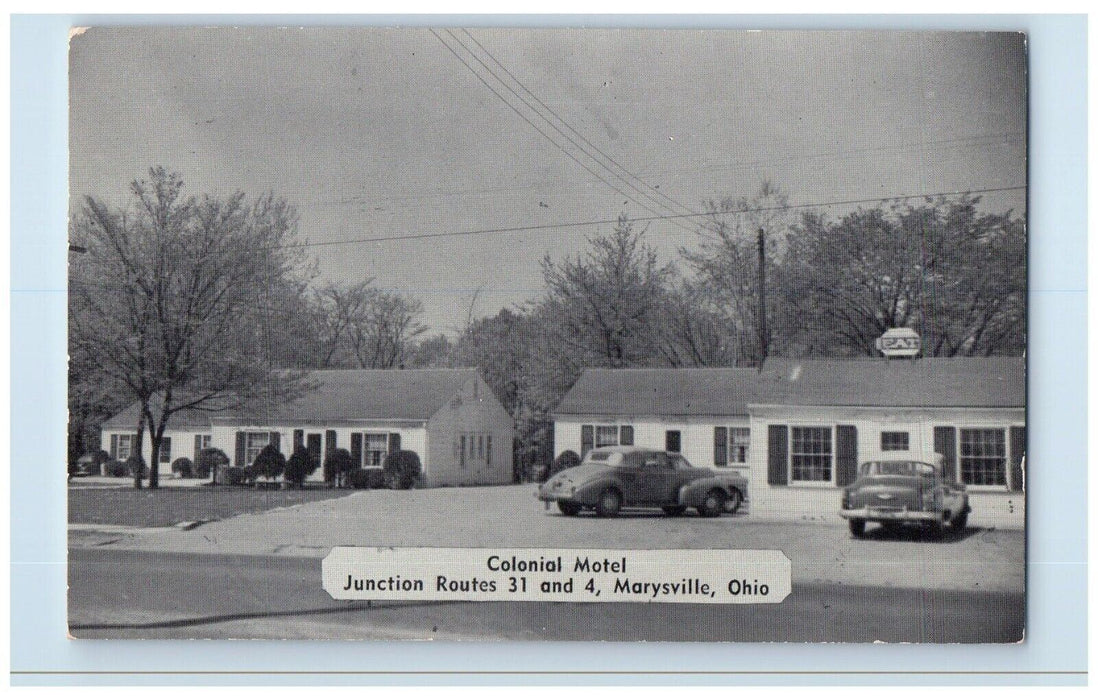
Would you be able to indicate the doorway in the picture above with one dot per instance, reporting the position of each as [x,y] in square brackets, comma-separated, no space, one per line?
[673,441]
[312,445]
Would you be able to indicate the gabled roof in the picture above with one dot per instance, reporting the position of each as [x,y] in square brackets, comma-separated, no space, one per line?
[940,382]
[360,394]
[661,392]
[187,419]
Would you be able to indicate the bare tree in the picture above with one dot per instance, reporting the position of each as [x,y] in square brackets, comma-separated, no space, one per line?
[174,293]
[382,334]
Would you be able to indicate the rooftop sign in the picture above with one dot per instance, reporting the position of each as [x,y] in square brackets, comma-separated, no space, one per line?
[899,342]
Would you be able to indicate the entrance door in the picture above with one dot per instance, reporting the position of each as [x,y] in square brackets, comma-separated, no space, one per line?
[312,445]
[674,441]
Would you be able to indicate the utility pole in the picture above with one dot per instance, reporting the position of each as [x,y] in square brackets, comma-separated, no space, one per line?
[764,336]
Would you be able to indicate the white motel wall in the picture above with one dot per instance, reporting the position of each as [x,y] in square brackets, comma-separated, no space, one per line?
[185,442]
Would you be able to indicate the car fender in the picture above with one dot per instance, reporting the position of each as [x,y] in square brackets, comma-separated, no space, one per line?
[588,492]
[693,494]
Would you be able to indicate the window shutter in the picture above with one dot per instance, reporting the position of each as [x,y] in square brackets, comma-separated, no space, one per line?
[276,440]
[846,454]
[329,442]
[1017,454]
[114,445]
[945,444]
[197,447]
[626,435]
[166,449]
[720,446]
[299,438]
[240,454]
[356,449]
[488,450]
[777,466]
[587,439]
[394,442]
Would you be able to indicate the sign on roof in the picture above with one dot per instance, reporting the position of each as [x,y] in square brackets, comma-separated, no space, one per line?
[899,342]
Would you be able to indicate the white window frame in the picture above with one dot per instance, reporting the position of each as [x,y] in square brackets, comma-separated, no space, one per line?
[732,461]
[831,455]
[250,451]
[1006,485]
[367,459]
[124,453]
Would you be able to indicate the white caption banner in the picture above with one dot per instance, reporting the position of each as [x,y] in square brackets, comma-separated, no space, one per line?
[558,575]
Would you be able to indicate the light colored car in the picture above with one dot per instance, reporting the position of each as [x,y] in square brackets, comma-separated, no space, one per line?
[905,488]
[611,478]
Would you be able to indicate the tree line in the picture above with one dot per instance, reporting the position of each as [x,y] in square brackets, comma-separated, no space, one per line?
[176,302]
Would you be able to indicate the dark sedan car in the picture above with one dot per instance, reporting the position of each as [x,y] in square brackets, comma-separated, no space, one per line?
[900,488]
[612,478]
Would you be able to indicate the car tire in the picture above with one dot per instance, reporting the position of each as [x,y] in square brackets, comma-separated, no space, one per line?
[935,530]
[713,505]
[609,503]
[569,508]
[674,511]
[857,527]
[735,500]
[959,521]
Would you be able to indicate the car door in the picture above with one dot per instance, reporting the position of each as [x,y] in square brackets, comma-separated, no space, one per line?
[654,484]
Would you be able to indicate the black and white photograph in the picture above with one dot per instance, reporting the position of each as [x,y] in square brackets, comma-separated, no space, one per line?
[469,333]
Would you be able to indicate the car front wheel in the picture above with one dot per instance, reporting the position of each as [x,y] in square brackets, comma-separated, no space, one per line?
[735,500]
[960,521]
[569,508]
[857,527]
[713,504]
[609,503]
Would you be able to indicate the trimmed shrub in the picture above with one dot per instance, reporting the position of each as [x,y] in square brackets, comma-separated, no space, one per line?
[183,467]
[135,466]
[357,479]
[231,476]
[299,466]
[208,462]
[114,467]
[375,478]
[565,460]
[402,469]
[337,464]
[269,463]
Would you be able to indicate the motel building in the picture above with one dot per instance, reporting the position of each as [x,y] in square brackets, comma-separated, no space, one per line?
[449,417]
[799,428]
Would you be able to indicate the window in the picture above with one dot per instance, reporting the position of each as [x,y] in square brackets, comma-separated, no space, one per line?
[204,441]
[895,440]
[983,456]
[376,446]
[125,444]
[810,454]
[253,444]
[166,450]
[462,452]
[606,435]
[480,447]
[488,450]
[739,439]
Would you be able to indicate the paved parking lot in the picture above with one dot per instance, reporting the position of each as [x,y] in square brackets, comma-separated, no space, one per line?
[981,558]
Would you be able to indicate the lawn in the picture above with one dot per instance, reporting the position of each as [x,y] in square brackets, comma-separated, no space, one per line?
[167,506]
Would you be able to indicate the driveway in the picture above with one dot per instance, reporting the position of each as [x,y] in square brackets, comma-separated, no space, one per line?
[822,552]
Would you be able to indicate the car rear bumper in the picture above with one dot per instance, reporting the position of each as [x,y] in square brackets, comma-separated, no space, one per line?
[878,515]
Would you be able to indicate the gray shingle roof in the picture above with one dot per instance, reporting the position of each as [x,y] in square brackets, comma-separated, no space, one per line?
[961,382]
[661,392]
[361,394]
[187,419]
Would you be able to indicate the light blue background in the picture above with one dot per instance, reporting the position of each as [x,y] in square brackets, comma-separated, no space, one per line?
[1055,647]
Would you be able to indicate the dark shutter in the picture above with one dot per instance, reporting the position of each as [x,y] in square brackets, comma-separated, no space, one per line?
[114,445]
[197,447]
[240,454]
[276,440]
[166,449]
[720,446]
[587,439]
[846,454]
[299,439]
[394,442]
[329,442]
[945,444]
[356,449]
[626,435]
[777,451]
[1017,454]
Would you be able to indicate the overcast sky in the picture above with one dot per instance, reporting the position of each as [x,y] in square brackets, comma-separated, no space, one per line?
[384,132]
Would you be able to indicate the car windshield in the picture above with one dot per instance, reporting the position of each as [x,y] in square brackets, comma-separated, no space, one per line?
[606,457]
[897,468]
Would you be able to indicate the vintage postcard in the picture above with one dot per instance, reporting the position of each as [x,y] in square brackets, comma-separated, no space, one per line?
[547,334]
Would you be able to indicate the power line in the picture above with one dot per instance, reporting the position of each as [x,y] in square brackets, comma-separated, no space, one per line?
[597,222]
[526,119]
[564,123]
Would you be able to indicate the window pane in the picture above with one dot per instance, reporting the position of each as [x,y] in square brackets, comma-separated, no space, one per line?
[983,456]
[739,439]
[810,454]
[375,446]
[606,435]
[894,440]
